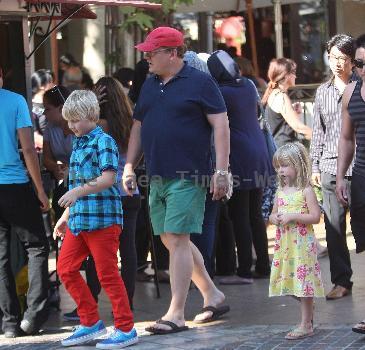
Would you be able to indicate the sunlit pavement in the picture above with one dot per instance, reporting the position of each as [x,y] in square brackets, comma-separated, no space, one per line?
[255,321]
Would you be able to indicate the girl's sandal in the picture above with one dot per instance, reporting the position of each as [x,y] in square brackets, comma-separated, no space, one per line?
[299,333]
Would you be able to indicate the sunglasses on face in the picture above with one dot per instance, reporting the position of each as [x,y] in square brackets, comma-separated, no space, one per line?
[151,54]
[359,63]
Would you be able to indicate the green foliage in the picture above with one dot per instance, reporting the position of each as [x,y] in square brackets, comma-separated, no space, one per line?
[136,16]
[145,20]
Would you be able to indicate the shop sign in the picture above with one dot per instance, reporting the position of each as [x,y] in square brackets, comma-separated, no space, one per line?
[29,8]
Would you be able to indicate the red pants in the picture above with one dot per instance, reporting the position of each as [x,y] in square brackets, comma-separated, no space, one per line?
[103,246]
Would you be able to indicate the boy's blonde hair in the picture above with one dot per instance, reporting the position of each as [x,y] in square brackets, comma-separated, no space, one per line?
[80,105]
[294,155]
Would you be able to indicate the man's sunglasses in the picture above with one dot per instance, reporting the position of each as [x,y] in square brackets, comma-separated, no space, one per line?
[359,63]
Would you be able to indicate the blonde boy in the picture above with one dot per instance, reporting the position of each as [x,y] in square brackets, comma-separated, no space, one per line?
[91,225]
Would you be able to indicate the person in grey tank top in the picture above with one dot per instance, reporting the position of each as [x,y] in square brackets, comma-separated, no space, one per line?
[353,138]
[283,117]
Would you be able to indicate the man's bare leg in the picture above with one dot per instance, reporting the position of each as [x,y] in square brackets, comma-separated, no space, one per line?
[181,269]
[211,294]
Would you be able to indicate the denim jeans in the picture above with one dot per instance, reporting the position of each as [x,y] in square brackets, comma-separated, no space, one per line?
[205,241]
[20,214]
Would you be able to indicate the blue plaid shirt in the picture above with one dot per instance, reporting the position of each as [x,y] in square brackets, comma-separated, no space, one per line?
[91,155]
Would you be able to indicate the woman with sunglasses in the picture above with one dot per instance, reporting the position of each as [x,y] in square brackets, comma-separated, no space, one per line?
[57,149]
[283,117]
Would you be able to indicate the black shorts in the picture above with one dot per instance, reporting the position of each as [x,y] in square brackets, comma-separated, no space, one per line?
[20,211]
[357,211]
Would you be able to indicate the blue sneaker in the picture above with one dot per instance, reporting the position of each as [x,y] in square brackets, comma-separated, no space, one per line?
[83,334]
[118,340]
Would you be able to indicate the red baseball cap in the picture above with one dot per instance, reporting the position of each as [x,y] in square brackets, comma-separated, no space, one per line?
[161,37]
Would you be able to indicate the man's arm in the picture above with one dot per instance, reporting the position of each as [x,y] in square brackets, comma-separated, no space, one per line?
[316,146]
[134,155]
[346,146]
[220,125]
[31,161]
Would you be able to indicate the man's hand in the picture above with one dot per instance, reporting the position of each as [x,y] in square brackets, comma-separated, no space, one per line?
[341,192]
[69,198]
[60,228]
[129,181]
[316,179]
[44,201]
[219,186]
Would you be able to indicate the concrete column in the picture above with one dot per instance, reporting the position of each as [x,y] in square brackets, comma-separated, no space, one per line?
[93,57]
[278,28]
[209,37]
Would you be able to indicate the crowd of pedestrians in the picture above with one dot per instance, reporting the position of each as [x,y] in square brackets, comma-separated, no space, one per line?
[194,120]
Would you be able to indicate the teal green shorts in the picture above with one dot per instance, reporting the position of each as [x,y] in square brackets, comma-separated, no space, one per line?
[176,206]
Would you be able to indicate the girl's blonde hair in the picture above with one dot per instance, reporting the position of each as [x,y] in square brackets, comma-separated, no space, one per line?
[80,105]
[294,155]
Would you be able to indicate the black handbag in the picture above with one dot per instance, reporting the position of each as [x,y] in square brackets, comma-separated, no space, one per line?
[265,127]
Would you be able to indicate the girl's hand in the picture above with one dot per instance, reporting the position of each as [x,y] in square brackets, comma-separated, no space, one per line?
[275,218]
[284,219]
[69,198]
[60,228]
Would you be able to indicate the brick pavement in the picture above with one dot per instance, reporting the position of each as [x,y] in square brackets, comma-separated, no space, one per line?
[220,336]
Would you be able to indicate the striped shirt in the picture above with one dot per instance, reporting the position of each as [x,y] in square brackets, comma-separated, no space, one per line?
[91,155]
[356,109]
[327,122]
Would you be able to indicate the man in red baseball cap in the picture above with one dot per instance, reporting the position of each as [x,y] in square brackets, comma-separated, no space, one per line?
[176,111]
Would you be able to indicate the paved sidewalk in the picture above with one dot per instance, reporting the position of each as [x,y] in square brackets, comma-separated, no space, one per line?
[214,337]
[255,321]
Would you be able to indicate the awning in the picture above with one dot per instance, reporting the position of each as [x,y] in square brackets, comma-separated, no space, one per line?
[134,3]
[67,9]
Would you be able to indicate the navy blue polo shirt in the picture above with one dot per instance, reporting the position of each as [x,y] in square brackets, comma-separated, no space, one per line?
[175,131]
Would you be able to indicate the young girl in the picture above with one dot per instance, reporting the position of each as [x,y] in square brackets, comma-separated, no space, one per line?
[295,269]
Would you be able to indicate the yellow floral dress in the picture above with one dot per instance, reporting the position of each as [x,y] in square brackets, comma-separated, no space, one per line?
[295,269]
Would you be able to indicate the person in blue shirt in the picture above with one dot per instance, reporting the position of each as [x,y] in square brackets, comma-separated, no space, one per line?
[20,213]
[250,166]
[175,114]
[91,225]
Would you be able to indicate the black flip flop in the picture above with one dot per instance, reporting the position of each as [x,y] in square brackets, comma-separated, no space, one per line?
[174,328]
[359,330]
[217,312]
